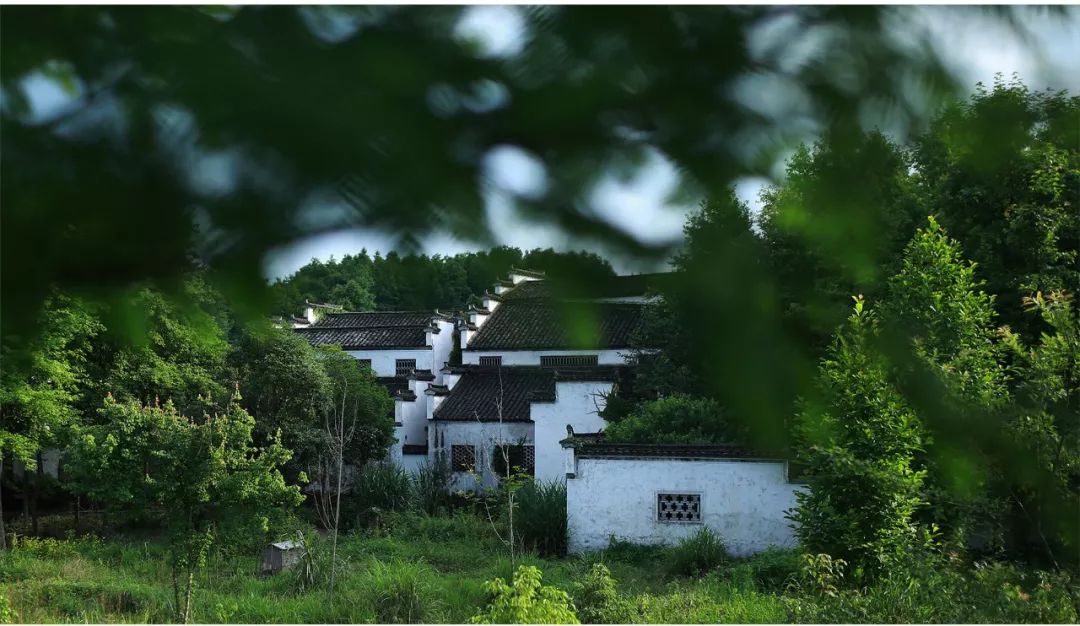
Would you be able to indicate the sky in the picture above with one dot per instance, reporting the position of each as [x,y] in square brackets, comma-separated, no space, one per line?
[972,45]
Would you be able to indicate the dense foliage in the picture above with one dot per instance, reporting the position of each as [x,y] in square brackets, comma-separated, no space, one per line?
[203,474]
[417,282]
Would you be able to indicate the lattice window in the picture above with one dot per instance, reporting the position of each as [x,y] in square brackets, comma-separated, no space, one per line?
[404,367]
[521,458]
[463,458]
[364,363]
[491,361]
[678,507]
[569,360]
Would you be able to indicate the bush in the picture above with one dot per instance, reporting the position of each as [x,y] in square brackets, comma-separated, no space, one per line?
[526,601]
[540,521]
[379,487]
[697,554]
[774,568]
[431,488]
[400,592]
[597,598]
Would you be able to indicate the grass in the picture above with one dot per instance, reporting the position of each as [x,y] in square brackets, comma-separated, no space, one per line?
[415,568]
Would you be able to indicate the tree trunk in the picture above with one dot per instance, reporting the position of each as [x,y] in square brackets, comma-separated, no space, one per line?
[3,529]
[176,594]
[187,599]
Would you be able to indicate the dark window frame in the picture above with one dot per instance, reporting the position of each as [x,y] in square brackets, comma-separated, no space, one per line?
[406,369]
[569,360]
[491,361]
[463,457]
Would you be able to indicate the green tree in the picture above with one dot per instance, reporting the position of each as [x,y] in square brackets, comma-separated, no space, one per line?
[829,238]
[946,359]
[859,444]
[39,392]
[676,419]
[1046,427]
[204,475]
[162,348]
[285,387]
[1002,173]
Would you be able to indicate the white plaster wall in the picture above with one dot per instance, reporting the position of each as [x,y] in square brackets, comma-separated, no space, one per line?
[743,501]
[412,463]
[383,361]
[577,404]
[485,436]
[442,346]
[532,357]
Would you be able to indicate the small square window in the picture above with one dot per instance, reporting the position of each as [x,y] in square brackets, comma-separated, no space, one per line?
[364,363]
[404,367]
[678,507]
[463,458]
[521,458]
[491,361]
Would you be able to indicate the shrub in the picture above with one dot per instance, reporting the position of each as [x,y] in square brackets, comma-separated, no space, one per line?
[597,598]
[540,521]
[774,568]
[526,601]
[400,592]
[431,488]
[697,554]
[379,487]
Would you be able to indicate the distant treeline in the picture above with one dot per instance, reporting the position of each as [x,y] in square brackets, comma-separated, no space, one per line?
[360,282]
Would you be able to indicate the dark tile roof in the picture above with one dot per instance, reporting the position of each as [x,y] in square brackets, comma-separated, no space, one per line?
[475,396]
[425,375]
[407,395]
[385,337]
[590,447]
[608,287]
[414,449]
[375,319]
[394,384]
[532,324]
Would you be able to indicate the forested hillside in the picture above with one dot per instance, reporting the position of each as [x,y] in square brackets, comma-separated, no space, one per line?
[419,282]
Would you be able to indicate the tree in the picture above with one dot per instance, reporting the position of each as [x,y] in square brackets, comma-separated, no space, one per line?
[202,474]
[162,347]
[676,419]
[357,426]
[946,360]
[285,387]
[859,443]
[38,395]
[829,238]
[1046,427]
[1002,173]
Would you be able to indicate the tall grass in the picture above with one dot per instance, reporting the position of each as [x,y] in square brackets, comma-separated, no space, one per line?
[697,554]
[540,522]
[431,488]
[379,488]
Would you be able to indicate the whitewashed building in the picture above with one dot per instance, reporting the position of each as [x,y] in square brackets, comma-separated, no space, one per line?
[660,494]
[405,349]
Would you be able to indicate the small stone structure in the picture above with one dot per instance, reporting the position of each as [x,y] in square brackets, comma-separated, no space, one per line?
[660,494]
[281,556]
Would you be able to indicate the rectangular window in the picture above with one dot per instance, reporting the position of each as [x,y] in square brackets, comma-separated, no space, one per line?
[569,361]
[364,363]
[404,367]
[678,507]
[491,361]
[522,460]
[463,458]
